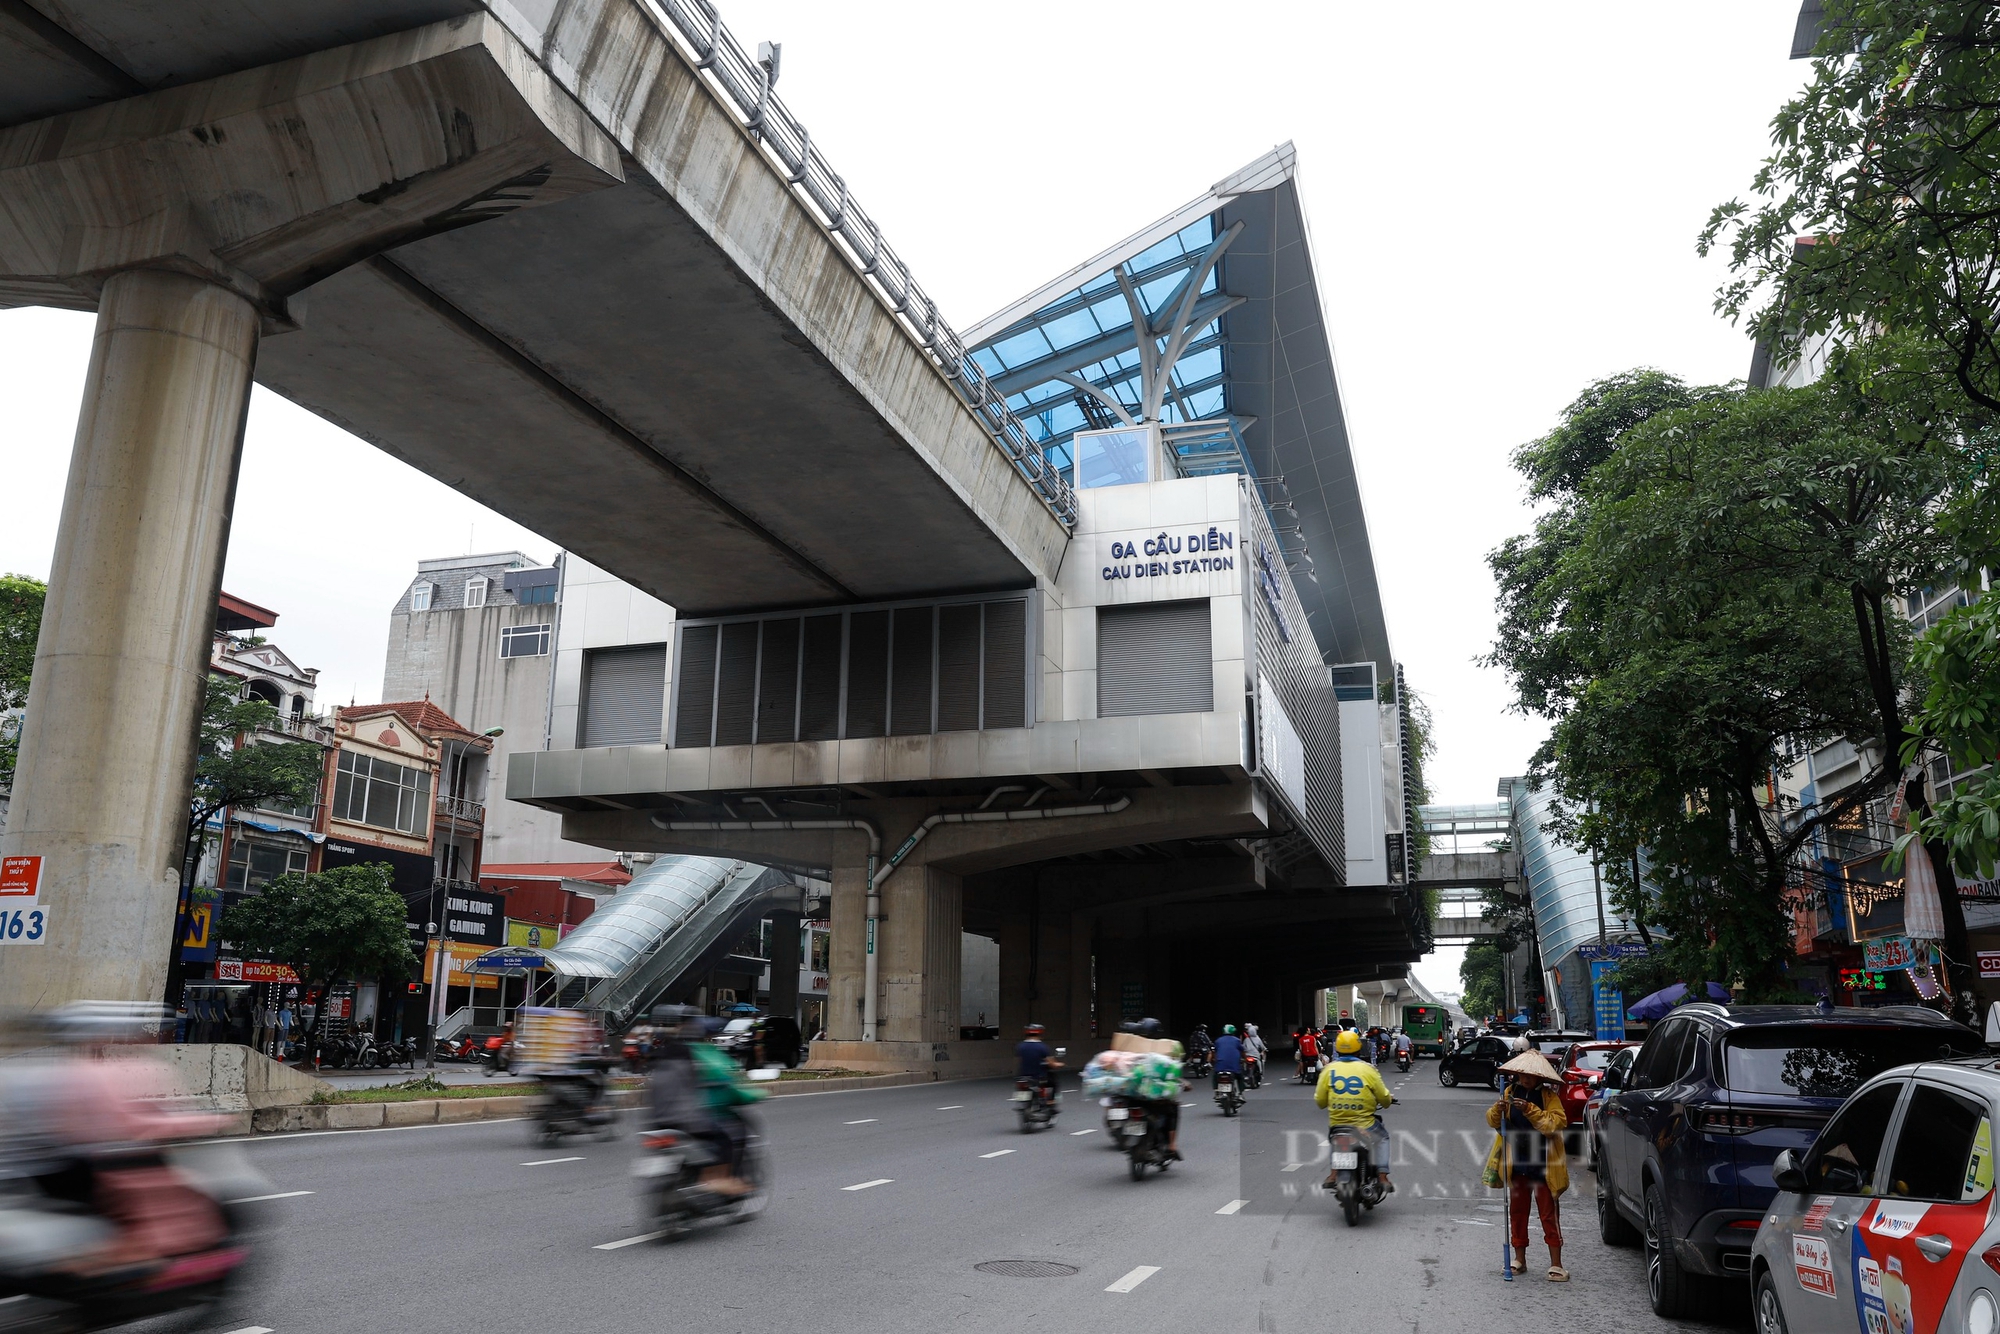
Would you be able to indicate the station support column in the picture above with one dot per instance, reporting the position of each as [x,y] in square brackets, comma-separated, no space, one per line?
[108,744]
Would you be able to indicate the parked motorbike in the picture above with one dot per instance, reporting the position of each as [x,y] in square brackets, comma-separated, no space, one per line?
[673,1200]
[1355,1182]
[1141,1133]
[1228,1093]
[1037,1099]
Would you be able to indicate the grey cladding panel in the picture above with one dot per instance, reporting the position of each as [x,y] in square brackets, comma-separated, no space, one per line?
[777,682]
[958,668]
[868,673]
[694,710]
[910,713]
[625,690]
[736,684]
[819,691]
[1006,655]
[1154,658]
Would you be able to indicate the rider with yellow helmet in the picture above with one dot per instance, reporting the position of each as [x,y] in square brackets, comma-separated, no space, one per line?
[1354,1095]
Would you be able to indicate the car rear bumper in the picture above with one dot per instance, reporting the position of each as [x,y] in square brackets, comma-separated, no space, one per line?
[1717,1249]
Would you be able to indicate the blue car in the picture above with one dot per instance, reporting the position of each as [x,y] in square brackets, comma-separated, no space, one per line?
[1686,1137]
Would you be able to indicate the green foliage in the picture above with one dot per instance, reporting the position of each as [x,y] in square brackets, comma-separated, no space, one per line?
[21,600]
[1422,746]
[253,773]
[1712,582]
[342,923]
[1482,979]
[1960,709]
[1888,164]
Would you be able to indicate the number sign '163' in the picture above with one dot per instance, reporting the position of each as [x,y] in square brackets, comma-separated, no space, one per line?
[23,919]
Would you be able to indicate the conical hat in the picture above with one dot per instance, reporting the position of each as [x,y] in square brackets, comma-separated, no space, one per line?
[1532,1063]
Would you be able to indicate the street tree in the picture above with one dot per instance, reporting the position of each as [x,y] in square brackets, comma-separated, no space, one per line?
[21,600]
[341,923]
[1711,588]
[1880,204]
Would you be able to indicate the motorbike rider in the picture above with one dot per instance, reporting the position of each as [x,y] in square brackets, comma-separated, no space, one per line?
[1166,1112]
[677,1100]
[1353,1094]
[1033,1061]
[1253,1047]
[1404,1047]
[1228,1057]
[1199,1042]
[1308,1046]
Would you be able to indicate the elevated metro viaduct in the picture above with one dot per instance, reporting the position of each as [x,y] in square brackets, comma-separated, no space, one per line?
[578,260]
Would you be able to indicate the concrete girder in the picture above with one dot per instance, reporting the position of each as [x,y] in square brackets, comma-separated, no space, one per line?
[267,180]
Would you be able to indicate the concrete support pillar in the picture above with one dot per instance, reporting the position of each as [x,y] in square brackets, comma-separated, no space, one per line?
[848,950]
[107,752]
[785,958]
[923,910]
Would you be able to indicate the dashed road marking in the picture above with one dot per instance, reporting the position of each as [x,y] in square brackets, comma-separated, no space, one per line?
[252,1329]
[997,1153]
[259,1199]
[864,1121]
[544,1162]
[878,1181]
[628,1241]
[1232,1206]
[1475,1222]
[1134,1279]
[955,1107]
[1091,1131]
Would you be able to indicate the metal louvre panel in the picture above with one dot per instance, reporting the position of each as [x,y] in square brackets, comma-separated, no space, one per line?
[958,668]
[1006,680]
[625,691]
[868,673]
[694,709]
[910,681]
[736,684]
[1154,658]
[819,690]
[778,681]
[1304,685]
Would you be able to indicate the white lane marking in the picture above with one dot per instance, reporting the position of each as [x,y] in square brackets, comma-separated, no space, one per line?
[955,1107]
[997,1153]
[629,1241]
[1474,1222]
[864,1121]
[878,1181]
[1134,1279]
[544,1162]
[1075,1133]
[1232,1206]
[259,1199]
[252,1329]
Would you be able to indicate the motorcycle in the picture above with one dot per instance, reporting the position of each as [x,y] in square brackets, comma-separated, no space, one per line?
[1309,1069]
[1355,1182]
[1141,1134]
[36,1297]
[673,1199]
[1253,1072]
[1228,1093]
[1037,1099]
[1403,1061]
[1197,1065]
[574,1104]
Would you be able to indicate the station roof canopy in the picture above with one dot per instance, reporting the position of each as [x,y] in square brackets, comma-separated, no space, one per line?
[1226,290]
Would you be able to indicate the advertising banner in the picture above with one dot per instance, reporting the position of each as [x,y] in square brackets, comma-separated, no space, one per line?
[1891,952]
[531,935]
[1989,965]
[1608,1000]
[460,960]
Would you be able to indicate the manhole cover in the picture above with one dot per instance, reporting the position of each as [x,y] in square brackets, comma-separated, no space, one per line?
[1026,1268]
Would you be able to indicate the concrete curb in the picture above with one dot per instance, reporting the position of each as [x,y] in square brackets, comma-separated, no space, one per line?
[447,1111]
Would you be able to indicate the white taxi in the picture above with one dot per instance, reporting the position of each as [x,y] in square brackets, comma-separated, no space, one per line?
[1887,1224]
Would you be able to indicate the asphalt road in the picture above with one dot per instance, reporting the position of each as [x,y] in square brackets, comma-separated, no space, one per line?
[471,1227]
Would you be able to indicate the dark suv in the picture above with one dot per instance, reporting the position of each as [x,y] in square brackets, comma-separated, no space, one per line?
[1686,1137]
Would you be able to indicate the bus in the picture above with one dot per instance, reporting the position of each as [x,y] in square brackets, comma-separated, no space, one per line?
[1429,1027]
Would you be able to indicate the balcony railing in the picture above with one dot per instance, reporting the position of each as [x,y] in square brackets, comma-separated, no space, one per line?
[305,729]
[462,809]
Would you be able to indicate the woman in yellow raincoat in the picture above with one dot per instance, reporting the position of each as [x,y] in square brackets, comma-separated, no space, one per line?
[1527,1155]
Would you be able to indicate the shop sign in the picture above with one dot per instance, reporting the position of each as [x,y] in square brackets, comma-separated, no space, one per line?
[1610,1000]
[1624,949]
[475,918]
[1989,965]
[1893,952]
[20,877]
[531,935]
[1979,891]
[461,958]
[257,970]
[1874,899]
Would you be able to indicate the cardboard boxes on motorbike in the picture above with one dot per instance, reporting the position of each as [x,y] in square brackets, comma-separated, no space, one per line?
[1132,1042]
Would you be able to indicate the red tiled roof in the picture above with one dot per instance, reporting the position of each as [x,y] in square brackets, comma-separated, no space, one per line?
[235,613]
[602,873]
[420,714]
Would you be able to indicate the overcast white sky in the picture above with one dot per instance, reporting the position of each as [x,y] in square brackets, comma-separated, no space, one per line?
[1503,199]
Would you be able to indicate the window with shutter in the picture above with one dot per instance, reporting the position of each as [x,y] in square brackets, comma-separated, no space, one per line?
[624,694]
[1154,658]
